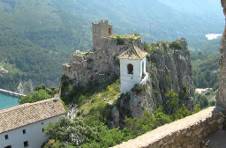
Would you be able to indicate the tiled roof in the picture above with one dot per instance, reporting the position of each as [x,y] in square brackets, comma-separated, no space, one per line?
[133,53]
[29,113]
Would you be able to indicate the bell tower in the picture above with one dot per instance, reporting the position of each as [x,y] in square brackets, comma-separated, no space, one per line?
[132,68]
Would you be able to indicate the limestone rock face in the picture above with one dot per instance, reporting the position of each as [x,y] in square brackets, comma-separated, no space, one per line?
[169,65]
[221,97]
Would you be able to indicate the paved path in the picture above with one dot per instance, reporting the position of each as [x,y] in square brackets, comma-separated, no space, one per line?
[218,140]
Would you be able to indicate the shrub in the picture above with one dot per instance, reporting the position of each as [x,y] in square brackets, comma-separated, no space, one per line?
[35,96]
[172,102]
[120,41]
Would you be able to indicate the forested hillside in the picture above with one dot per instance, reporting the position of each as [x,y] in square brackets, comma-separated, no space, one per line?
[37,36]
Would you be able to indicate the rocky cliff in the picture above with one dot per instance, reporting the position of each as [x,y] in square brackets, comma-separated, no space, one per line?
[169,64]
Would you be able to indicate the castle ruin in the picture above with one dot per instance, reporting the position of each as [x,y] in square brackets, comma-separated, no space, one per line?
[100,65]
[100,31]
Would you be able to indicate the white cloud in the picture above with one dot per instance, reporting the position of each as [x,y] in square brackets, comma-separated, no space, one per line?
[213,36]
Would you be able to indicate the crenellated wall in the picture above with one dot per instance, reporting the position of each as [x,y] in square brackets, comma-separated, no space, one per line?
[190,132]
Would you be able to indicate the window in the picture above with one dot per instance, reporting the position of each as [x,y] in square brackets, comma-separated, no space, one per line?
[43,130]
[130,68]
[26,144]
[24,131]
[109,31]
[8,146]
[6,137]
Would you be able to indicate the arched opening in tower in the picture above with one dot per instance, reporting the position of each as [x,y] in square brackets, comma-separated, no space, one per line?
[130,68]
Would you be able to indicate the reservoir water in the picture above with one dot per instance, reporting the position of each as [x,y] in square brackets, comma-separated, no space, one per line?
[7,101]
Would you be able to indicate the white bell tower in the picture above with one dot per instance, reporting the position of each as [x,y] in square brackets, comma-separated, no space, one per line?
[132,68]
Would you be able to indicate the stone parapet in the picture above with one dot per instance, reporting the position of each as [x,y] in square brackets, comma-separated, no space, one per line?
[221,97]
[190,132]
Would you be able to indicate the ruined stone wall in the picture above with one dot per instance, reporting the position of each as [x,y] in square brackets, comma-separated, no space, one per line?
[190,132]
[99,65]
[100,30]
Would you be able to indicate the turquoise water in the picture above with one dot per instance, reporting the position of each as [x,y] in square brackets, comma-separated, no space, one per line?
[7,101]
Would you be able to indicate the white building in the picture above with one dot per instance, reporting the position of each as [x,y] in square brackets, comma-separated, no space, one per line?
[132,68]
[23,126]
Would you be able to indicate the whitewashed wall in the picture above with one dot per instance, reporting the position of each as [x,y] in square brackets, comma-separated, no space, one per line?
[128,81]
[33,135]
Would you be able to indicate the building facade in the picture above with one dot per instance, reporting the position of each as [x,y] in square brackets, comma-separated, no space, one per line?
[132,68]
[23,126]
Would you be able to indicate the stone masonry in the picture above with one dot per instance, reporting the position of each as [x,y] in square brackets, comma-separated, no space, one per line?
[190,132]
[100,30]
[101,63]
[221,97]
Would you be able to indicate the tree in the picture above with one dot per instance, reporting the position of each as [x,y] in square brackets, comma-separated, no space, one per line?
[35,96]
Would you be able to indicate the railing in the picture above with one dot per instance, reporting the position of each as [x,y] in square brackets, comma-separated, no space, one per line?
[12,93]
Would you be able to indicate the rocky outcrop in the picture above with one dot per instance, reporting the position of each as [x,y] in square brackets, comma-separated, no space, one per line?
[132,104]
[221,97]
[190,132]
[169,65]
[170,68]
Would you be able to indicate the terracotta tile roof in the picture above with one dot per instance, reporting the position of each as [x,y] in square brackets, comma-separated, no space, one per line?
[134,53]
[29,113]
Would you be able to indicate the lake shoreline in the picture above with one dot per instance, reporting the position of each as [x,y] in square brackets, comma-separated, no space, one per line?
[11,93]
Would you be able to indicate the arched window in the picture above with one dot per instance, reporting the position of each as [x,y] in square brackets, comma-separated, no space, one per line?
[130,68]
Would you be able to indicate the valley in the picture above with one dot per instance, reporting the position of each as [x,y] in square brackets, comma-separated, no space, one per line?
[36,33]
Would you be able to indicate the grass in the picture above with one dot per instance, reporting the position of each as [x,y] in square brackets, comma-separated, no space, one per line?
[99,100]
[127,36]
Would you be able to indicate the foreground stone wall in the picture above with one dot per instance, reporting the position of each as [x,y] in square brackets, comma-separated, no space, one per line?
[190,132]
[221,97]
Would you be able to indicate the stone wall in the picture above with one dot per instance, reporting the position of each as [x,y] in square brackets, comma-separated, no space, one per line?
[221,97]
[100,30]
[190,132]
[85,67]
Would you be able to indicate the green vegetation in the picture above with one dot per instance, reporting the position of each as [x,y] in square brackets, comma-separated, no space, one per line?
[40,93]
[37,37]
[126,36]
[98,101]
[205,69]
[163,46]
[90,129]
[121,38]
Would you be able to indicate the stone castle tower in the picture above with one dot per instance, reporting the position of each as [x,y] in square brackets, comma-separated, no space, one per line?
[100,30]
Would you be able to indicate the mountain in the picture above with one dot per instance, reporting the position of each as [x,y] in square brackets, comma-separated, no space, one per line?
[37,36]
